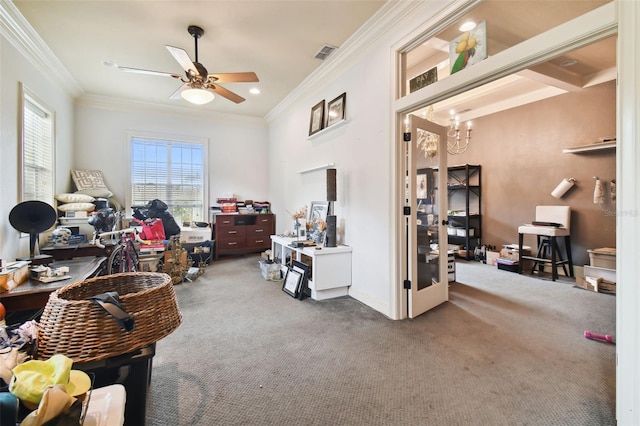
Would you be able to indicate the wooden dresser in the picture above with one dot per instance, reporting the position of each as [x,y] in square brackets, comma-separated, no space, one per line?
[243,233]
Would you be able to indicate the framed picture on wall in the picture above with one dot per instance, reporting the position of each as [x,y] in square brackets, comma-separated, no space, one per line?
[316,123]
[336,109]
[468,48]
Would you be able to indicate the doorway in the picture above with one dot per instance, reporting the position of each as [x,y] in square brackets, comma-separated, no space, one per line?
[482,82]
[425,237]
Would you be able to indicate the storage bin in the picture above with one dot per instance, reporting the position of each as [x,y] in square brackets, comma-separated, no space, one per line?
[603,258]
[510,268]
[270,270]
[461,232]
[195,235]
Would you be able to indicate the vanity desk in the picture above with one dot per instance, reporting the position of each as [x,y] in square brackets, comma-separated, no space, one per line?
[330,267]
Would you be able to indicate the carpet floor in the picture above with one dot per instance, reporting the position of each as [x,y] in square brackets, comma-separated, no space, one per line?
[507,349]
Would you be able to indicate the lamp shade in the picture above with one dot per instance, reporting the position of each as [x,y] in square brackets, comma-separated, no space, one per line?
[197,96]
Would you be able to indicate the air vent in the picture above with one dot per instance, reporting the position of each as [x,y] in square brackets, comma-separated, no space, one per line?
[325,51]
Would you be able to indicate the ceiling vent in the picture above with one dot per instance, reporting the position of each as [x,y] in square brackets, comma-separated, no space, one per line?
[325,51]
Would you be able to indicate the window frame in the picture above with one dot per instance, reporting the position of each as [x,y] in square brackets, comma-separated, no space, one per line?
[181,139]
[28,96]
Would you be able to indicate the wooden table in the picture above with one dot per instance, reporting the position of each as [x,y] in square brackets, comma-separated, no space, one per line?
[33,294]
[79,250]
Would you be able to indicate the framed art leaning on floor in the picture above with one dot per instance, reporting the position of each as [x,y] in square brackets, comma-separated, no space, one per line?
[292,281]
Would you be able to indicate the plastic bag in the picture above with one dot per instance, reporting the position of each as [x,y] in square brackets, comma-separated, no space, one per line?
[152,230]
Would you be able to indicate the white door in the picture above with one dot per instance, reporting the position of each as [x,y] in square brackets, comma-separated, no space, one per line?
[426,223]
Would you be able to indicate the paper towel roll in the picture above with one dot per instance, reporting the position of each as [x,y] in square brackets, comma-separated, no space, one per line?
[563,187]
[598,192]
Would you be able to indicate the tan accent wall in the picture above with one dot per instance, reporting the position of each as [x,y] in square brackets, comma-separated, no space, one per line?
[520,151]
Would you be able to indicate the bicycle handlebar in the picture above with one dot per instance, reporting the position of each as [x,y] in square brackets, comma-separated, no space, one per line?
[98,237]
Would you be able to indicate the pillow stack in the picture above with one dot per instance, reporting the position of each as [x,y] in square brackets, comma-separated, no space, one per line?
[75,203]
[90,182]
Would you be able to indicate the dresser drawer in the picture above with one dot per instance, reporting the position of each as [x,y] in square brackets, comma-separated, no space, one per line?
[224,221]
[258,241]
[232,234]
[265,221]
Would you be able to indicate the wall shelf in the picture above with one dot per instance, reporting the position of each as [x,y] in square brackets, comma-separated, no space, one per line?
[327,129]
[590,148]
[312,169]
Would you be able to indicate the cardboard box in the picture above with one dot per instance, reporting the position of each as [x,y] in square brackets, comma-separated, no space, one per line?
[13,275]
[603,258]
[510,251]
[491,257]
[604,273]
[195,235]
[596,284]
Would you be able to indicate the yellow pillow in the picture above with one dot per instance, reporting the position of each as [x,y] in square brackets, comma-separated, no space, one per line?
[75,198]
[77,207]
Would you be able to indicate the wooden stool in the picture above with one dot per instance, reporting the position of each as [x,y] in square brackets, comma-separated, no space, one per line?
[551,222]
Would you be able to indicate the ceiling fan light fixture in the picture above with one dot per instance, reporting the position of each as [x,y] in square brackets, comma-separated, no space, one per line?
[197,96]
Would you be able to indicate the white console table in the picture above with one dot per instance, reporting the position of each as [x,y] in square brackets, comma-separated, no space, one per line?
[330,266]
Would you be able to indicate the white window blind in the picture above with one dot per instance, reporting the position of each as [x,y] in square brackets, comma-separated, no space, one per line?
[171,171]
[37,151]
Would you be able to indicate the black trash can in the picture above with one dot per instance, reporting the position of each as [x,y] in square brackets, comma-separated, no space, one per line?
[133,371]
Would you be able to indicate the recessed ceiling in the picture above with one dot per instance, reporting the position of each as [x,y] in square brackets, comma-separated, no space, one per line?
[275,39]
[278,40]
[509,23]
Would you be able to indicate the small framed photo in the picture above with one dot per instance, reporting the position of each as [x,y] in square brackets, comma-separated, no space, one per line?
[336,109]
[316,122]
[292,281]
[303,268]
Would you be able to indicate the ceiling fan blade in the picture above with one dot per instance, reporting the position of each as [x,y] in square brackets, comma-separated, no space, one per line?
[217,89]
[140,70]
[235,77]
[183,59]
[177,93]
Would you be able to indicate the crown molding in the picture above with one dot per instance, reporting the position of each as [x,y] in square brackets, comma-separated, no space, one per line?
[137,106]
[15,28]
[351,51]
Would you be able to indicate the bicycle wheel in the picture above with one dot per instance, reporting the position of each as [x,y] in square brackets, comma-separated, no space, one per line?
[116,260]
[132,261]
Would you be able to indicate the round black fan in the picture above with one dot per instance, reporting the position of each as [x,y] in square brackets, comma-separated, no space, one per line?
[32,217]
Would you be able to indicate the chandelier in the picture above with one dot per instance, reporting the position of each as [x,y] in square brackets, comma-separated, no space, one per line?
[455,144]
[428,142]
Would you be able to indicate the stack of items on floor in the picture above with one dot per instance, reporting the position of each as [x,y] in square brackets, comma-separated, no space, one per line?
[600,274]
[508,260]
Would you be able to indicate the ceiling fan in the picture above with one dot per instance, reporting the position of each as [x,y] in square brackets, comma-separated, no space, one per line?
[199,86]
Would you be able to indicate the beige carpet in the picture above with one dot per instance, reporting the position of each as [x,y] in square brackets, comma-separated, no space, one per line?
[506,350]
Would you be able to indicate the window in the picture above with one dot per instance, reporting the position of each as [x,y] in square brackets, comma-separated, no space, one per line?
[37,156]
[172,171]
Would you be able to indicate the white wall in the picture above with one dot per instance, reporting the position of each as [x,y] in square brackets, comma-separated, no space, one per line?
[362,153]
[237,146]
[15,68]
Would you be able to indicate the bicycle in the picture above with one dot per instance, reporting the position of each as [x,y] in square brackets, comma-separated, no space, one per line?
[125,255]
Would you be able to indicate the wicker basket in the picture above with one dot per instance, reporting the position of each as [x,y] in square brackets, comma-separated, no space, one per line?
[83,331]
